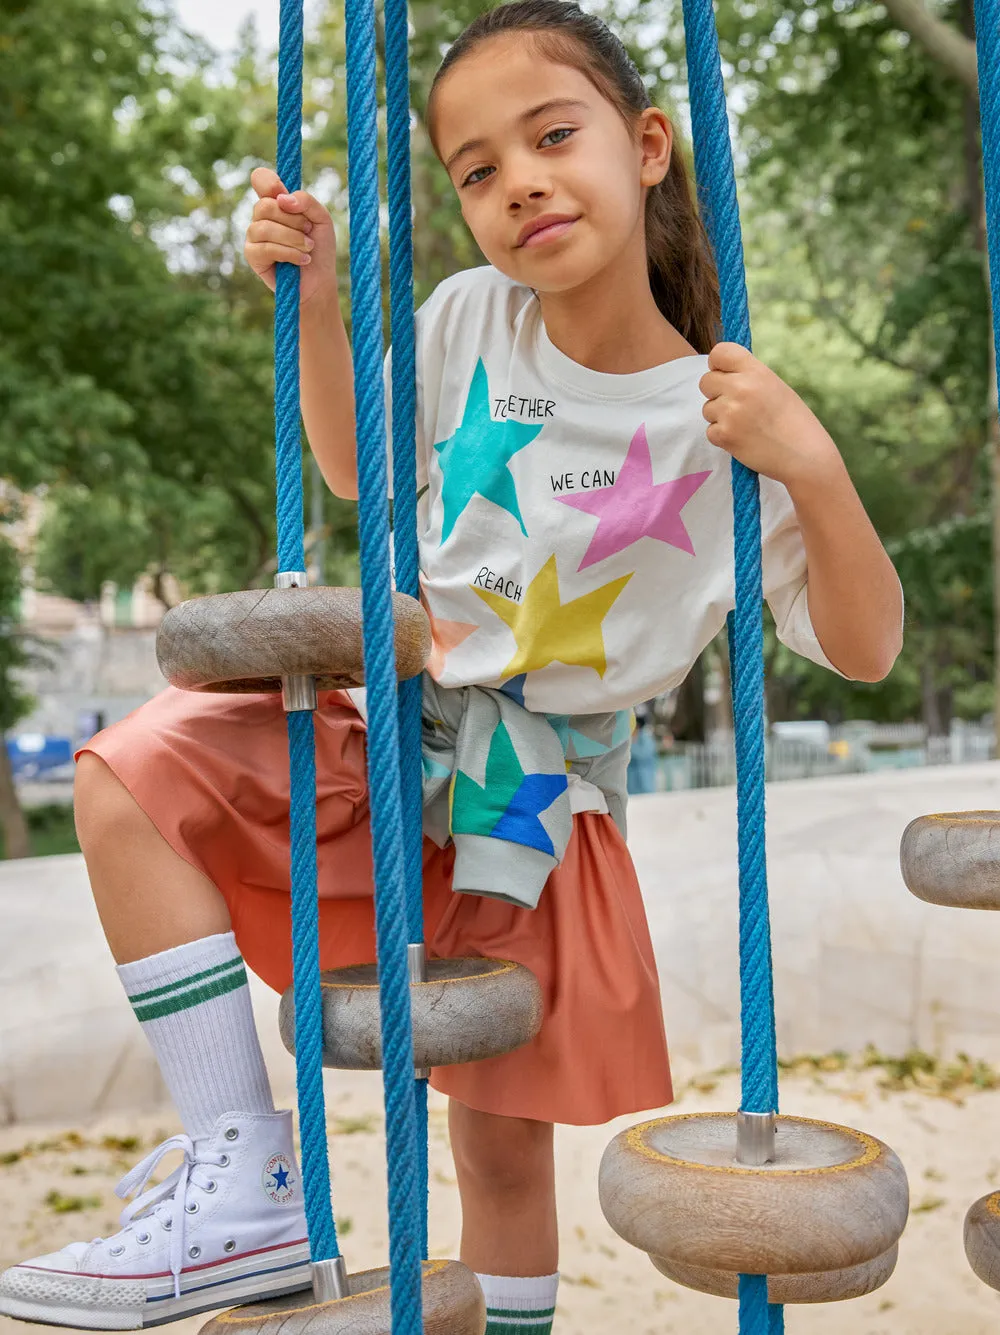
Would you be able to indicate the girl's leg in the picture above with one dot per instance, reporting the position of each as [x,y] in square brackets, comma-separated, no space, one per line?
[506,1179]
[148,898]
[238,1233]
[169,930]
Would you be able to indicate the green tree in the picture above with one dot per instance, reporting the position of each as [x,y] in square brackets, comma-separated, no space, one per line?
[863,178]
[135,373]
[125,381]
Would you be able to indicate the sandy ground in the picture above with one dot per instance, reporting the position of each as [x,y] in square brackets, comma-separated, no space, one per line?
[56,1185]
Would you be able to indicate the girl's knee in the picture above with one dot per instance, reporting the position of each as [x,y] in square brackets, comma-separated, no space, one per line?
[102,805]
[508,1153]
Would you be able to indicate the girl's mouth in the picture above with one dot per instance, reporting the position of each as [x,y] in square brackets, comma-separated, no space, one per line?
[552,232]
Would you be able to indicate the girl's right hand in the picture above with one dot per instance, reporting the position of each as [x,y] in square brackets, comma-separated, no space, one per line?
[295,228]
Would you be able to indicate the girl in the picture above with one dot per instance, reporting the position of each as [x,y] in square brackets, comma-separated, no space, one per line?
[576,419]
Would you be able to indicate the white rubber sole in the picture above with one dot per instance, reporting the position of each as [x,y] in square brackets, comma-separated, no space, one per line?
[205,1289]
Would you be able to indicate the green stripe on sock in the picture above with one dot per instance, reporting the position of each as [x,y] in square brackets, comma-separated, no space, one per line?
[537,1322]
[217,987]
[186,982]
[540,1327]
[519,1314]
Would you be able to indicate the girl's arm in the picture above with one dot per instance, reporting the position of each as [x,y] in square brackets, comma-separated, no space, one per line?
[297,229]
[327,394]
[855,601]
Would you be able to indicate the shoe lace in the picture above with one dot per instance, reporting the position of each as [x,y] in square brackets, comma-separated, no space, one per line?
[167,1201]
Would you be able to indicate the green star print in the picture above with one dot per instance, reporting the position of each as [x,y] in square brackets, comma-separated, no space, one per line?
[474,460]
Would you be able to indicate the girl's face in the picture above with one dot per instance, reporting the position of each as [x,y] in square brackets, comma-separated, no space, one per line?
[528,141]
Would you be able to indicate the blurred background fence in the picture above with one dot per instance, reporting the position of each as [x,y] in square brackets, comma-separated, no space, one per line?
[818,750]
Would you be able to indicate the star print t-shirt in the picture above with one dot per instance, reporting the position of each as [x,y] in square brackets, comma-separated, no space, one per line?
[576,531]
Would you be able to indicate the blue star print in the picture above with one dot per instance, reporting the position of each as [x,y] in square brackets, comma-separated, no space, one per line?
[519,823]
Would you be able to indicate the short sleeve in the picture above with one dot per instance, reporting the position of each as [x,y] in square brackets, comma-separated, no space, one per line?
[786,586]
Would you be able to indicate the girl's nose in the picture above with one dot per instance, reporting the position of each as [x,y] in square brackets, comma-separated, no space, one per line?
[525,182]
[523,194]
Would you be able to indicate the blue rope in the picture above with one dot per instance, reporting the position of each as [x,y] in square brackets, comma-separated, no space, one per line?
[404,489]
[301,747]
[288,436]
[988,53]
[757,1315]
[717,192]
[404,409]
[380,675]
[308,998]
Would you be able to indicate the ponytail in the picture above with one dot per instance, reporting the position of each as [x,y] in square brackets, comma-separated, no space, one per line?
[682,272]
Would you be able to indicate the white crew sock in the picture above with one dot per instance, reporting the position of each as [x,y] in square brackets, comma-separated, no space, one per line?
[193,1003]
[519,1306]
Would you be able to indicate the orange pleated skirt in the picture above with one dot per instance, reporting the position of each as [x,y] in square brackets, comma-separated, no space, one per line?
[211,771]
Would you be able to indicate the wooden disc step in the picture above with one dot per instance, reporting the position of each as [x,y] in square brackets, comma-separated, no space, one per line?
[247,641]
[982,1238]
[467,1009]
[953,859]
[833,1198]
[453,1304]
[816,1286]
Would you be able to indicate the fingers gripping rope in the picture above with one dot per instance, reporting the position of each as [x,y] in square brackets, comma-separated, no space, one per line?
[717,194]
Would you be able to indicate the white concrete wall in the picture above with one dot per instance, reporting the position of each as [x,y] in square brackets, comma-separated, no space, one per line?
[70,1046]
[857,959]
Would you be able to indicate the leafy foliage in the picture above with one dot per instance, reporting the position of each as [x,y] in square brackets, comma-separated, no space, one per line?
[135,359]
[14,653]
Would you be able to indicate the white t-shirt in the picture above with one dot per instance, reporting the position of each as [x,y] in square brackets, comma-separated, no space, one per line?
[576,531]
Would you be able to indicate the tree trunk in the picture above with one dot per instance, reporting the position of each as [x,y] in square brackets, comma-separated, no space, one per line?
[12,822]
[949,48]
[993,437]
[722,714]
[993,447]
[930,699]
[976,205]
[956,52]
[688,722]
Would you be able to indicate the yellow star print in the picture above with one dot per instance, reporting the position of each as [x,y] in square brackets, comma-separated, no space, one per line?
[550,631]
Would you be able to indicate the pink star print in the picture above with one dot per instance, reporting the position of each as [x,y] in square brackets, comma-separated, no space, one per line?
[636,506]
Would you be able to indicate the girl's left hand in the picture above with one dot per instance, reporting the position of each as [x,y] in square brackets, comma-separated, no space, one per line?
[761,421]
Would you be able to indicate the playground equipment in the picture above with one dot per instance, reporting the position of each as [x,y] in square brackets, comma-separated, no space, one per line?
[953,858]
[296,639]
[765,1208]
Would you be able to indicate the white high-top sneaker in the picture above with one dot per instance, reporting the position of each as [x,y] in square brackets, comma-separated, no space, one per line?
[226,1227]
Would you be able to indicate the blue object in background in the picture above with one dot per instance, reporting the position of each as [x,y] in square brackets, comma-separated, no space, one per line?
[32,754]
[642,765]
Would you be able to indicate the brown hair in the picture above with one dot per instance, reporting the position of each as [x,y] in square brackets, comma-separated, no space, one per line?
[682,272]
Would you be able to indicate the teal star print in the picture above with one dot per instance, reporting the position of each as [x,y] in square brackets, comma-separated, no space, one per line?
[474,460]
[508,805]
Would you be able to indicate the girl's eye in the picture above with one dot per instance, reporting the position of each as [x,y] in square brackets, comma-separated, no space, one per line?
[479,174]
[474,177]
